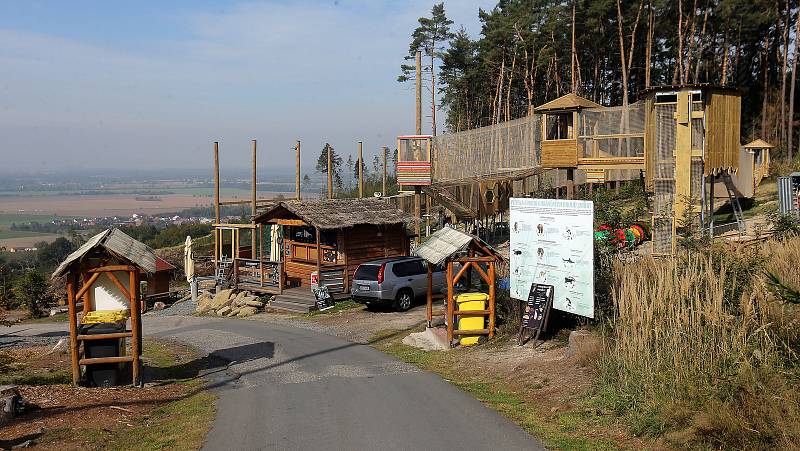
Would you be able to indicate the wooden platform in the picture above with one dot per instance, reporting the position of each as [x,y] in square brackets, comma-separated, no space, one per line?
[299,299]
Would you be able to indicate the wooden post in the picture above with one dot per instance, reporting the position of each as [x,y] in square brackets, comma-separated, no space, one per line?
[491,298]
[418,213]
[385,151]
[216,181]
[418,58]
[429,303]
[135,330]
[297,170]
[570,184]
[450,303]
[87,295]
[319,259]
[73,328]
[253,195]
[360,170]
[330,175]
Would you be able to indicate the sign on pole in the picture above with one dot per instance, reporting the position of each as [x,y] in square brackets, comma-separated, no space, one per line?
[552,242]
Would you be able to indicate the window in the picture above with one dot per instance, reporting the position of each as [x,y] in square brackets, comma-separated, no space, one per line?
[408,268]
[558,126]
[308,235]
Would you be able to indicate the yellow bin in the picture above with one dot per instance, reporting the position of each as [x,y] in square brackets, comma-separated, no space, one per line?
[471,301]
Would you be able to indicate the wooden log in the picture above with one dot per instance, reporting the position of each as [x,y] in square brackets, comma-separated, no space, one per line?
[319,258]
[472,332]
[98,360]
[84,289]
[429,297]
[482,273]
[111,268]
[73,329]
[471,312]
[119,284]
[450,303]
[491,299]
[105,336]
[135,326]
[461,272]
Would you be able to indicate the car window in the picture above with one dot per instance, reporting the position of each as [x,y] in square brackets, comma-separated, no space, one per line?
[367,272]
[401,269]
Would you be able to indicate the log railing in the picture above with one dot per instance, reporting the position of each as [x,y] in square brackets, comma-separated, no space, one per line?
[263,273]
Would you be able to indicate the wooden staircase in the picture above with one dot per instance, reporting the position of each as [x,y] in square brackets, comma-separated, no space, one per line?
[298,300]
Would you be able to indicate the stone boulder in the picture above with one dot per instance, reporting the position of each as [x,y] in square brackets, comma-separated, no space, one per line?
[222,299]
[254,303]
[246,311]
[224,310]
[158,305]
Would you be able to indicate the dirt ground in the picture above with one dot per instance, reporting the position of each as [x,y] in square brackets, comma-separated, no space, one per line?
[60,416]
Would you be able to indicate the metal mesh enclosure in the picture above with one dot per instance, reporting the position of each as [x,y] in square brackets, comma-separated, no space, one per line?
[487,150]
[616,132]
[664,179]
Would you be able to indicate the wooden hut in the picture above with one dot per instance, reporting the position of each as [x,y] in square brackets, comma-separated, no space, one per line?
[105,273]
[329,238]
[449,247]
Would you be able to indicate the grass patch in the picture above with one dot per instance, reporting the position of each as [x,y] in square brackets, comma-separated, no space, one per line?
[60,318]
[339,306]
[54,378]
[563,430]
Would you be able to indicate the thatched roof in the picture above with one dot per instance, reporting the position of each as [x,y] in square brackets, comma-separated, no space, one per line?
[448,242]
[118,244]
[567,102]
[330,214]
[758,144]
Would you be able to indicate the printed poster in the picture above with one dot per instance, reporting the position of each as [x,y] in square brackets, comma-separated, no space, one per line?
[552,242]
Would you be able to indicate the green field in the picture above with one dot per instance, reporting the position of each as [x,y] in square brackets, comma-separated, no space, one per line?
[6,219]
[7,234]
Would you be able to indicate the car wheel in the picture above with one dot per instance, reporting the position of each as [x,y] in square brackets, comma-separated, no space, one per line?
[404,301]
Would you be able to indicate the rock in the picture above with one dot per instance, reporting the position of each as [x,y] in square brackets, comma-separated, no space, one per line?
[233,312]
[158,305]
[582,345]
[223,311]
[10,403]
[62,347]
[246,311]
[221,299]
[254,303]
[427,340]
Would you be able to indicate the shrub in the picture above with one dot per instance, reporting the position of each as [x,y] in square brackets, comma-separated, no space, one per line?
[30,290]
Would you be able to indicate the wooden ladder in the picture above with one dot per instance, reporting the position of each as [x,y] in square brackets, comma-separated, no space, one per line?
[734,200]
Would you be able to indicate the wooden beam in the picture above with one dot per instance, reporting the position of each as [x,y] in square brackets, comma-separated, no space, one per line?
[471,312]
[288,222]
[450,304]
[105,336]
[360,170]
[233,226]
[461,271]
[98,360]
[110,268]
[429,297]
[253,197]
[135,326]
[472,332]
[482,273]
[319,258]
[297,170]
[216,181]
[85,288]
[119,285]
[73,329]
[491,299]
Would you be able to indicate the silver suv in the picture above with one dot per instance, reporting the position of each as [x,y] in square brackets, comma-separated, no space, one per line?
[397,281]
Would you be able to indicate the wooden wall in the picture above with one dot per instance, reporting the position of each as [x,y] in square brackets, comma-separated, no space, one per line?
[560,154]
[365,243]
[723,129]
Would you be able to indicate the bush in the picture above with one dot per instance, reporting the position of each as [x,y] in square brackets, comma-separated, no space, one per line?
[31,290]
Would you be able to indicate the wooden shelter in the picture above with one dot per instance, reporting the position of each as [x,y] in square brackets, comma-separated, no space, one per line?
[105,273]
[449,246]
[327,237]
[560,125]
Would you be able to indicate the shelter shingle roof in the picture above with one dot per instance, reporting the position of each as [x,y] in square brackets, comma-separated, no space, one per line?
[758,144]
[568,101]
[447,242]
[328,214]
[118,244]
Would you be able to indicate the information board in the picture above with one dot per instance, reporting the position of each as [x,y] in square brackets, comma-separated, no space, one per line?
[324,301]
[552,243]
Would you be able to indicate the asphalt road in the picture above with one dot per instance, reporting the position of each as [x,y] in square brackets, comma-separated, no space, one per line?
[294,389]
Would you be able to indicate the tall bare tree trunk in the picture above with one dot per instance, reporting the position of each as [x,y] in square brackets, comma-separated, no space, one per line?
[784,68]
[433,91]
[679,57]
[649,45]
[764,67]
[725,55]
[573,54]
[626,62]
[790,120]
[701,44]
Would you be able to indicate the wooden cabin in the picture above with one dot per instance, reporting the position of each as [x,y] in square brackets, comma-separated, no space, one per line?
[332,237]
[560,125]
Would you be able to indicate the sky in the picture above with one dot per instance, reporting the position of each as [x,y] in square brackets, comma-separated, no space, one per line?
[142,85]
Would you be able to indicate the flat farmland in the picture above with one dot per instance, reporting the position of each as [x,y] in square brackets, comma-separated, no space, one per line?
[25,241]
